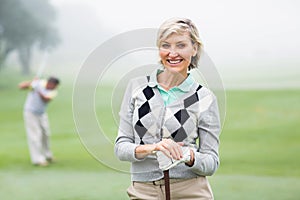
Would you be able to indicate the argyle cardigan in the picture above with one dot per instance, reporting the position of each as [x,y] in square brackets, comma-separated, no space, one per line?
[144,119]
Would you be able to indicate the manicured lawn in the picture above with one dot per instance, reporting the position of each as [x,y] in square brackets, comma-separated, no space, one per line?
[259,145]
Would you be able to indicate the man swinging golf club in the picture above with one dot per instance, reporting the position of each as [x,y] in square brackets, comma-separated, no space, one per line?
[41,92]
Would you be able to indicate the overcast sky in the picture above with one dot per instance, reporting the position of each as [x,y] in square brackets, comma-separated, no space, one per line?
[249,35]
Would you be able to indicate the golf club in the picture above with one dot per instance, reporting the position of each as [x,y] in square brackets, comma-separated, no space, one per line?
[42,65]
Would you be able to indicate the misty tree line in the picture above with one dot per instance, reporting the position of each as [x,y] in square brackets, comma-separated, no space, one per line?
[25,25]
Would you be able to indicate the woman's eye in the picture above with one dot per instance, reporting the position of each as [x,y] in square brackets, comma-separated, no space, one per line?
[165,46]
[180,46]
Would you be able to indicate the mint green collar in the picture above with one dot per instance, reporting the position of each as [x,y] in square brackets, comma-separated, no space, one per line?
[185,86]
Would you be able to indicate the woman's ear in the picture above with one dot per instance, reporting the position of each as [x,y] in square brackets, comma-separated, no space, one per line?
[195,50]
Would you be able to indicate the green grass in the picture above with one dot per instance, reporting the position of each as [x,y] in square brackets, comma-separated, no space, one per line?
[259,146]
[261,134]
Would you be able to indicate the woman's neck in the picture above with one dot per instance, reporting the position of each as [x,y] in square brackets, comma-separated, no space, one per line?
[168,79]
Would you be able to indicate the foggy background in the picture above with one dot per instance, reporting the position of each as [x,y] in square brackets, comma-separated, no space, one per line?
[254,44]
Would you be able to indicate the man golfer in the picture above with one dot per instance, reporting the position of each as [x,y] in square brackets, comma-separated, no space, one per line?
[36,118]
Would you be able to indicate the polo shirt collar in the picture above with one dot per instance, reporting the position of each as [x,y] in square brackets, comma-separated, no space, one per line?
[185,86]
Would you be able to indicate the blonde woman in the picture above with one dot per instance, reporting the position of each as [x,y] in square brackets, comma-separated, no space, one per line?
[170,122]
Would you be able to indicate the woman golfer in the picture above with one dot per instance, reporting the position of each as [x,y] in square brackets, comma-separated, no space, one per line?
[169,122]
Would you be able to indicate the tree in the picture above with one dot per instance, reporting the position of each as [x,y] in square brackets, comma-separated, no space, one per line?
[24,25]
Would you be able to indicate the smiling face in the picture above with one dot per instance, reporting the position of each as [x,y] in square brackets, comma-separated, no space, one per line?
[176,52]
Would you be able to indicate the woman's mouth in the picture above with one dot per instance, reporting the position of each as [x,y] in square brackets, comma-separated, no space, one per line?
[174,62]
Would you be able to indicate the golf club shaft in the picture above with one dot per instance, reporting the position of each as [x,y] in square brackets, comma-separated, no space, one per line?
[167,184]
[42,65]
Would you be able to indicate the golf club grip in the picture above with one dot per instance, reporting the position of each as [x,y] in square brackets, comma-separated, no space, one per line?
[167,184]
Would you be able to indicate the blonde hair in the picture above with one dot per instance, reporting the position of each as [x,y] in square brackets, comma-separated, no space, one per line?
[180,26]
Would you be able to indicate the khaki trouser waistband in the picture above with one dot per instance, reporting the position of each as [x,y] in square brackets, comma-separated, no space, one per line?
[161,181]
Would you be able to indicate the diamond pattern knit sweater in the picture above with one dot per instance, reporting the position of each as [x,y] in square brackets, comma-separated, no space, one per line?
[144,119]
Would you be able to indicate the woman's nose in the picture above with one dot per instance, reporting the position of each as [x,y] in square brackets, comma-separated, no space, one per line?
[173,53]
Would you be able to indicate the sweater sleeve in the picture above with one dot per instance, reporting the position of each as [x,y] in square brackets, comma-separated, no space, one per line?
[207,157]
[124,144]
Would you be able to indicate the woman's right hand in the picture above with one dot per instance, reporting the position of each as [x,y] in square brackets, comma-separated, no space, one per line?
[169,147]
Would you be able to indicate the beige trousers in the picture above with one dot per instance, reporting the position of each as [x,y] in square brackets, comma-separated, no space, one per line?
[37,128]
[189,189]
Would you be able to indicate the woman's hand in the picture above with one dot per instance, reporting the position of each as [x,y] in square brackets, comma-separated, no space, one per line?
[167,146]
[170,148]
[192,160]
